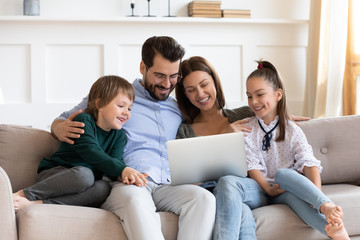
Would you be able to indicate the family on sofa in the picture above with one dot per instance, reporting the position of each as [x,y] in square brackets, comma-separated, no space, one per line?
[133,157]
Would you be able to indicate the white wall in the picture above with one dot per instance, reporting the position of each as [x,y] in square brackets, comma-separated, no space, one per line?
[48,63]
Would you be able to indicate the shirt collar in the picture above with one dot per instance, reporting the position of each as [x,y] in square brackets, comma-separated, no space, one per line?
[271,125]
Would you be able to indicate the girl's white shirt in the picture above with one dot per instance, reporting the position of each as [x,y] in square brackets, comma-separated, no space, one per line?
[293,153]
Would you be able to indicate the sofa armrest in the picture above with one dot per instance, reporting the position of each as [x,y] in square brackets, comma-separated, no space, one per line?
[21,149]
[7,212]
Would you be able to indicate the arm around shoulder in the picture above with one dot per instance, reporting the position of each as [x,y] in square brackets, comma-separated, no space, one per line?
[66,129]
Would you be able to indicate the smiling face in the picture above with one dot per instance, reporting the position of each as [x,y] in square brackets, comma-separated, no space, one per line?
[160,79]
[115,114]
[262,98]
[200,90]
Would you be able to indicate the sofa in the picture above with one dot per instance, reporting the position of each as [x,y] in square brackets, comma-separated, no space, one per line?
[335,141]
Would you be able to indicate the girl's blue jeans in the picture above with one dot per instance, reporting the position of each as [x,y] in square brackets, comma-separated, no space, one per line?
[236,196]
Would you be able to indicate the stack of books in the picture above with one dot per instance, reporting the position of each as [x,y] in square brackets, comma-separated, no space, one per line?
[236,13]
[205,9]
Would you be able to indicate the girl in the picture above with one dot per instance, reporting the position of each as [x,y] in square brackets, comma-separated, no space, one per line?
[281,161]
[73,174]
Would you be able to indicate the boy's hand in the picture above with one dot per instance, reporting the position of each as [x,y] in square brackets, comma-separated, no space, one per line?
[131,176]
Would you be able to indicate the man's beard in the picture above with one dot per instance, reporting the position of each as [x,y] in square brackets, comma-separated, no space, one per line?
[151,89]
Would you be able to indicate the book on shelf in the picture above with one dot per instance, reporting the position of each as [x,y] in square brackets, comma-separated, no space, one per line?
[205,7]
[203,11]
[236,16]
[236,13]
[206,15]
[217,3]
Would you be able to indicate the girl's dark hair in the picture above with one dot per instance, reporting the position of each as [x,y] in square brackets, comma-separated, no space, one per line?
[268,72]
[104,90]
[188,66]
[167,47]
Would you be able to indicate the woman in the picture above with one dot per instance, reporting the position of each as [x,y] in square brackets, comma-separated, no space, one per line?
[201,100]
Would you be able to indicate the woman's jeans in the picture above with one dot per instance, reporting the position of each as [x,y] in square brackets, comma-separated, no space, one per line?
[236,196]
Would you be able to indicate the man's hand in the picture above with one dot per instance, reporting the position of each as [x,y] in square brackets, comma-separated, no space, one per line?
[65,130]
[297,119]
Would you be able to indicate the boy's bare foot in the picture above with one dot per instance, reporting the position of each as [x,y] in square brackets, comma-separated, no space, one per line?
[331,211]
[336,230]
[22,202]
[19,193]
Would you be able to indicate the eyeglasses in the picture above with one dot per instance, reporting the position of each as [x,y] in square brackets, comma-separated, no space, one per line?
[159,77]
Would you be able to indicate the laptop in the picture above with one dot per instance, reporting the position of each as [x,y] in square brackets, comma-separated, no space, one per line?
[206,158]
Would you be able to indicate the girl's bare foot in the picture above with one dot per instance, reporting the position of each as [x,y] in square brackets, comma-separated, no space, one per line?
[22,202]
[336,230]
[331,211]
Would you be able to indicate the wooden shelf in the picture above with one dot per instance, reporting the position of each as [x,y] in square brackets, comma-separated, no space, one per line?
[151,20]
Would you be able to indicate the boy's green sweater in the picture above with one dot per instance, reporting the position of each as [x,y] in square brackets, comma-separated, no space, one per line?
[97,149]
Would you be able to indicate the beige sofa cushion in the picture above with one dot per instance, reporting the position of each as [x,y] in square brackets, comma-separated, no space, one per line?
[58,222]
[279,222]
[48,221]
[22,148]
[289,224]
[336,142]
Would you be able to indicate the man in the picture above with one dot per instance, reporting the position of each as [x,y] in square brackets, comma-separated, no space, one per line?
[155,120]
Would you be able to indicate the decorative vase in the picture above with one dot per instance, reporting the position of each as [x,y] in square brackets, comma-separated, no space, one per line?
[32,7]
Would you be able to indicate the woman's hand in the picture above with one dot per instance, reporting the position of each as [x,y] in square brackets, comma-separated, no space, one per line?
[240,126]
